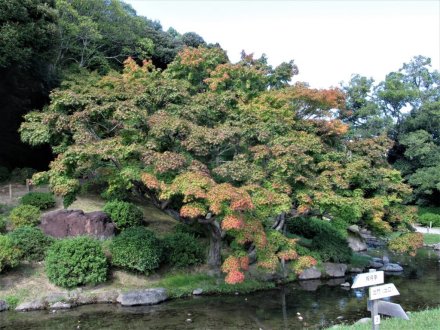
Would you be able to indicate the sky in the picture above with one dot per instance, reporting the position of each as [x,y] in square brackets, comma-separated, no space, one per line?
[328,40]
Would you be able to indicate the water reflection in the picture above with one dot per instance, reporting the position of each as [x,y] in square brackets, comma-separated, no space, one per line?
[310,304]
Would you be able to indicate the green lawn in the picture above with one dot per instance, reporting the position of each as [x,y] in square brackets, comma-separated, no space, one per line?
[431,238]
[425,320]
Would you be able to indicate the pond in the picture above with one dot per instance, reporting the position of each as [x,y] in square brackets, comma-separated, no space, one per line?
[305,305]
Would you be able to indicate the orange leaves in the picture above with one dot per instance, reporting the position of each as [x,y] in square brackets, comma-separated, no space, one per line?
[192,210]
[303,263]
[220,194]
[150,181]
[232,222]
[233,267]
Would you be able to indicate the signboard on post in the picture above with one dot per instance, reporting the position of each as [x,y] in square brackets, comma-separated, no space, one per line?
[383,291]
[368,279]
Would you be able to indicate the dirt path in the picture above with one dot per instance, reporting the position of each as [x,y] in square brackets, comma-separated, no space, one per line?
[426,230]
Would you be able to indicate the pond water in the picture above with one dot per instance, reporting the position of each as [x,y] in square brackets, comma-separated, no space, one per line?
[320,304]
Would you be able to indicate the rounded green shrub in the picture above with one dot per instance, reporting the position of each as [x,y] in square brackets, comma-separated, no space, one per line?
[41,200]
[136,249]
[327,241]
[183,250]
[25,215]
[123,214]
[3,224]
[76,261]
[430,218]
[9,253]
[31,242]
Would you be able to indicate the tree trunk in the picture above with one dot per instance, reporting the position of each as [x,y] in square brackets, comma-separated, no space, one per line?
[215,243]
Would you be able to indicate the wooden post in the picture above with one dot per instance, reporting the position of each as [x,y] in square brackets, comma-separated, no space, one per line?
[10,192]
[375,317]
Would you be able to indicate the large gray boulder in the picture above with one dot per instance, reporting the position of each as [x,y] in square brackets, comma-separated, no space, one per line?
[63,223]
[143,297]
[310,274]
[3,305]
[356,242]
[335,270]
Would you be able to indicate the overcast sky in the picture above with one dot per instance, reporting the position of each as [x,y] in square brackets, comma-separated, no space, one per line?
[328,40]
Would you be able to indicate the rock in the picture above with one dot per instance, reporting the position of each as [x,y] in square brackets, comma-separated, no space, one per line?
[392,268]
[354,229]
[385,260]
[63,223]
[3,305]
[56,297]
[60,305]
[437,246]
[198,291]
[335,270]
[310,273]
[356,242]
[355,270]
[376,263]
[363,320]
[107,297]
[143,297]
[31,305]
[84,299]
[337,281]
[345,284]
[310,285]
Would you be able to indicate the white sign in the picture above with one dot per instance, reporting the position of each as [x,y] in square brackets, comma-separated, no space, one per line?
[368,279]
[376,319]
[383,291]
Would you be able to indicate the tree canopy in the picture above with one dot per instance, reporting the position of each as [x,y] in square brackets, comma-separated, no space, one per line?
[231,146]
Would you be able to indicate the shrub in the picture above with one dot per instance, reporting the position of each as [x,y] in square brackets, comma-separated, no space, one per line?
[9,254]
[327,241]
[4,174]
[25,215]
[19,175]
[32,242]
[406,243]
[41,200]
[183,250]
[76,261]
[137,249]
[123,214]
[427,218]
[3,224]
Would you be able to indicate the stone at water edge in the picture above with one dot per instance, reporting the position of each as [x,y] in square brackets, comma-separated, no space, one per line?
[3,305]
[198,291]
[363,320]
[335,270]
[392,268]
[437,246]
[345,284]
[31,305]
[310,274]
[60,305]
[143,297]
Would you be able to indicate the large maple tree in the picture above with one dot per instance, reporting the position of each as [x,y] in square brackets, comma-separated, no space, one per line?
[232,146]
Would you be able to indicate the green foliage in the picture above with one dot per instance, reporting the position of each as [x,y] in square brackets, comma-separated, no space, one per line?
[123,214]
[182,250]
[32,243]
[431,238]
[19,175]
[136,249]
[9,253]
[3,224]
[41,200]
[360,260]
[328,242]
[76,261]
[428,219]
[25,215]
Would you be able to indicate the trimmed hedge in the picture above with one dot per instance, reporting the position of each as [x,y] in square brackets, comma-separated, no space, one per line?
[32,243]
[183,250]
[9,253]
[41,200]
[327,241]
[76,261]
[25,215]
[123,214]
[136,249]
[428,218]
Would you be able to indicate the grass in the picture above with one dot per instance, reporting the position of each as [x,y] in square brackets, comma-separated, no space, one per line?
[431,238]
[426,320]
[180,285]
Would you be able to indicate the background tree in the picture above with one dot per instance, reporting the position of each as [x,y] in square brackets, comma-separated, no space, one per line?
[237,150]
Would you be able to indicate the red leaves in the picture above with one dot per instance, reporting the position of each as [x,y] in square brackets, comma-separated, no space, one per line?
[233,266]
